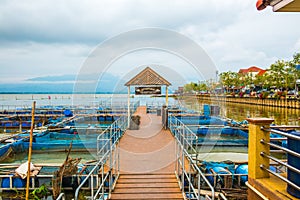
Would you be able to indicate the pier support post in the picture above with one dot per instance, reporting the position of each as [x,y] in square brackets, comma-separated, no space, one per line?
[128,108]
[255,147]
[167,96]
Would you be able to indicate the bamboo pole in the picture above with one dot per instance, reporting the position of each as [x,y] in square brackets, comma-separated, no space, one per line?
[29,150]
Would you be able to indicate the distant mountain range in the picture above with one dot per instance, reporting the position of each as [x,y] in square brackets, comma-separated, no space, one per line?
[67,77]
[59,84]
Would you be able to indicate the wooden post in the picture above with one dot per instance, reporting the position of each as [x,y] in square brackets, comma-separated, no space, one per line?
[255,147]
[29,150]
[128,108]
[167,96]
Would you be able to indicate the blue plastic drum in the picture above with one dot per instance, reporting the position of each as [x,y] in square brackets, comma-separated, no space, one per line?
[68,113]
[242,169]
[16,183]
[295,162]
[218,170]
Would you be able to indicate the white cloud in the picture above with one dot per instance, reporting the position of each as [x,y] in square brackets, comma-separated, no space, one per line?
[31,59]
[53,37]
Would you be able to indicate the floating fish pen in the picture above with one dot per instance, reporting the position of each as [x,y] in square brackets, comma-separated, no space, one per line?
[210,128]
[90,175]
[20,120]
[56,134]
[42,180]
[229,178]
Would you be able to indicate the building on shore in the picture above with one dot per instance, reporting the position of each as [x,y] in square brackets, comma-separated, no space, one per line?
[252,71]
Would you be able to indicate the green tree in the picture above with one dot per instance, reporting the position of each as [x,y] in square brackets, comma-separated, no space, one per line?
[202,87]
[293,63]
[229,79]
[281,75]
[262,81]
[194,87]
[296,59]
[188,87]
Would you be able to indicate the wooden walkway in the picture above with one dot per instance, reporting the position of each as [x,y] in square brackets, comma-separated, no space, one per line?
[147,162]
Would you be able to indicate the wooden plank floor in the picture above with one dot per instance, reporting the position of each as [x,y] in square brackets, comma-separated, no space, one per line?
[149,149]
[147,186]
[147,162]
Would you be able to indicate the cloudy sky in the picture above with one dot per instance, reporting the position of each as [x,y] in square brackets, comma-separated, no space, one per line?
[54,37]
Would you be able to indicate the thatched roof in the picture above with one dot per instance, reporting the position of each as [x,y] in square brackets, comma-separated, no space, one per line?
[148,77]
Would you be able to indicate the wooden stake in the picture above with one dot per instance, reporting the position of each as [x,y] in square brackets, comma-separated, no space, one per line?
[58,176]
[30,149]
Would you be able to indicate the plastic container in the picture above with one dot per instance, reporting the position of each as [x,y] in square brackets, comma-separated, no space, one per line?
[206,110]
[218,170]
[227,130]
[158,112]
[68,113]
[294,161]
[202,130]
[215,110]
[242,169]
[16,183]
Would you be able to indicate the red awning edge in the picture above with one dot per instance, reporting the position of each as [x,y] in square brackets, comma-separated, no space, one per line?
[261,4]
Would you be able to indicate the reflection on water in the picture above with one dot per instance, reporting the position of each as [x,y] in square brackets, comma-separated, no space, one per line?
[282,116]
[239,112]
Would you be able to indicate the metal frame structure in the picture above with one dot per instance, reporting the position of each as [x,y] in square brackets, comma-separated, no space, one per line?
[282,149]
[185,142]
[107,168]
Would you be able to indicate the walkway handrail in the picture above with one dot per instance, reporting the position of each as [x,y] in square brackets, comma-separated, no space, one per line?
[177,126]
[185,144]
[106,151]
[281,133]
[286,150]
[61,196]
[260,154]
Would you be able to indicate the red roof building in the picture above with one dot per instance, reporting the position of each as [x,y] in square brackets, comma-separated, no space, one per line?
[253,71]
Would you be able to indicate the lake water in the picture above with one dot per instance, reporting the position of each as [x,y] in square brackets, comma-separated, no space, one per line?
[233,111]
[239,112]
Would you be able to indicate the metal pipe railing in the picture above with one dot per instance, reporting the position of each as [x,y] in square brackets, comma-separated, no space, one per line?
[280,162]
[285,127]
[278,139]
[185,142]
[106,151]
[35,180]
[280,177]
[281,149]
[61,196]
[281,133]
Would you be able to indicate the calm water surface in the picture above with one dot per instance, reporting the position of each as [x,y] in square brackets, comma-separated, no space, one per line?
[239,112]
[233,111]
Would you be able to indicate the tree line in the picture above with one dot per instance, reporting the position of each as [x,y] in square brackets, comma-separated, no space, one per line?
[281,75]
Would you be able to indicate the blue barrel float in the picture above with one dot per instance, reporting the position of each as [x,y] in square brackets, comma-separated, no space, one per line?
[68,113]
[294,161]
[219,171]
[206,110]
[16,182]
[242,169]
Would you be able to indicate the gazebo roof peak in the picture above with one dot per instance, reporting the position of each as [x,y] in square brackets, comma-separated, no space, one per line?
[148,77]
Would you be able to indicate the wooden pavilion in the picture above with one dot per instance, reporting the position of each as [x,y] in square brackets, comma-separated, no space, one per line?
[147,82]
